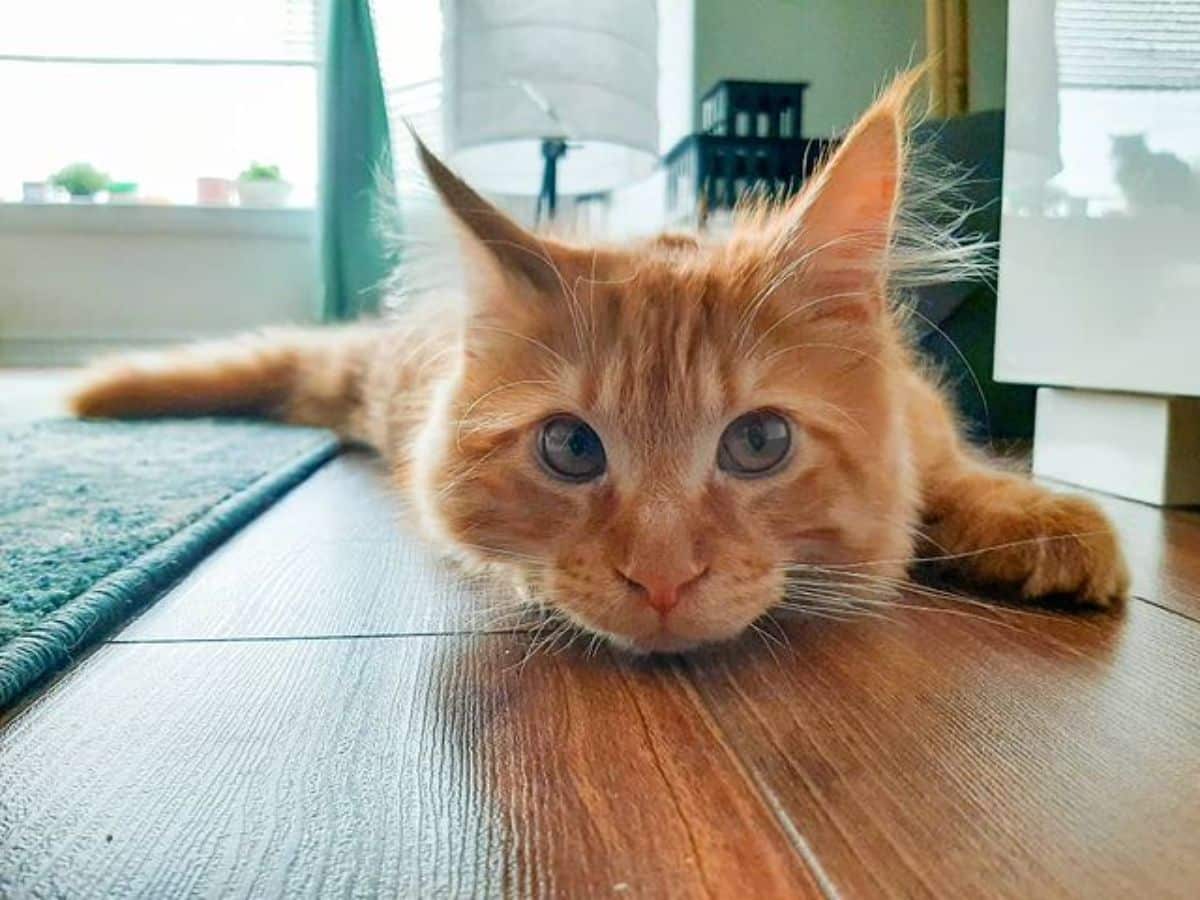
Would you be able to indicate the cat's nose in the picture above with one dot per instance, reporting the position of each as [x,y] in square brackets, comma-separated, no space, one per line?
[662,589]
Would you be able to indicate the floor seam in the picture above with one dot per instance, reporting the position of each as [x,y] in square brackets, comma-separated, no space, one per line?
[283,638]
[668,782]
[767,796]
[1167,609]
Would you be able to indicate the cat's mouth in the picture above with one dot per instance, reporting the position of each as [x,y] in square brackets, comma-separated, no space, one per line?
[698,622]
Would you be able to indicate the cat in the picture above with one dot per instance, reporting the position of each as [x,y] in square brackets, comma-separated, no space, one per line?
[660,441]
[1151,180]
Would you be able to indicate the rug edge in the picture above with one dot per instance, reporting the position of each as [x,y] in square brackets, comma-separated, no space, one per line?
[32,657]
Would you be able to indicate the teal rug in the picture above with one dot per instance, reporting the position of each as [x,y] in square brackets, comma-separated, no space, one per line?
[98,518]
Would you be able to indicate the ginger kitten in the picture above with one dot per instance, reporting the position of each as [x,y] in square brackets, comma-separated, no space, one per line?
[654,438]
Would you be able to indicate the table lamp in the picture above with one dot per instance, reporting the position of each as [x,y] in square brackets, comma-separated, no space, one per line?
[551,97]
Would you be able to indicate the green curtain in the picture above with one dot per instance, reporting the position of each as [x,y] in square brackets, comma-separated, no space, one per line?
[355,153]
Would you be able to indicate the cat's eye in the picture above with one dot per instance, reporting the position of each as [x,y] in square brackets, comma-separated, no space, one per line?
[571,449]
[754,444]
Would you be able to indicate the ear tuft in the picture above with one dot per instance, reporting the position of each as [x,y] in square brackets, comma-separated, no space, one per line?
[837,233]
[858,190]
[841,225]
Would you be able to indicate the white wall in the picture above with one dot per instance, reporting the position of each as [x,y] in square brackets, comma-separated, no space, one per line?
[847,49]
[77,280]
[988,52]
[676,71]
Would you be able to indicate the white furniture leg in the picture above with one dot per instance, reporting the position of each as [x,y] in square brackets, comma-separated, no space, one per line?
[1140,446]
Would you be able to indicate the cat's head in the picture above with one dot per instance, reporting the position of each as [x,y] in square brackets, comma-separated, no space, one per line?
[654,434]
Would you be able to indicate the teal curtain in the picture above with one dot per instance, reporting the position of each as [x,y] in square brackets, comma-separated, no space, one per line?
[356,175]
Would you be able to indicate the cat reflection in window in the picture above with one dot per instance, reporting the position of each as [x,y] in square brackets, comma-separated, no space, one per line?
[1152,179]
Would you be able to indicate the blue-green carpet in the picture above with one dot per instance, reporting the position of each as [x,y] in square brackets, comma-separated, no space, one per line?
[97,518]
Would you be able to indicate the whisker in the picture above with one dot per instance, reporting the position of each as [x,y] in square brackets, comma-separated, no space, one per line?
[897,589]
[500,551]
[857,588]
[541,345]
[817,345]
[790,270]
[797,311]
[767,640]
[543,257]
[1041,539]
[987,414]
[783,635]
[748,317]
[829,614]
[536,641]
[454,483]
[834,408]
[915,587]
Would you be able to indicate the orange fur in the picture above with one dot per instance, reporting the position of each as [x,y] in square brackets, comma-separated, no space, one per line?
[658,347]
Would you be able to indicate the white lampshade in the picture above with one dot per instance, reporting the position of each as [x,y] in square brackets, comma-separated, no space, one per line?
[518,71]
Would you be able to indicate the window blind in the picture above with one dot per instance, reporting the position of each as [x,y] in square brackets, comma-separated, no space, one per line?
[280,31]
[1128,44]
[409,38]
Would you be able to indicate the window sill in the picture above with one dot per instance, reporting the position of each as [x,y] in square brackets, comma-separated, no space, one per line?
[297,223]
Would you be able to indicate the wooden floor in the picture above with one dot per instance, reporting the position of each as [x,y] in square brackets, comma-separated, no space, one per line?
[321,709]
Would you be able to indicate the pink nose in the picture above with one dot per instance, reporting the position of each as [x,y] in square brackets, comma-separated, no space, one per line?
[662,590]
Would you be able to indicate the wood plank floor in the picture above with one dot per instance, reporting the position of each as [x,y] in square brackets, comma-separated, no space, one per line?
[324,708]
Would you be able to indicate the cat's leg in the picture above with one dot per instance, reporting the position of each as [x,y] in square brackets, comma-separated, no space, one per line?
[999,529]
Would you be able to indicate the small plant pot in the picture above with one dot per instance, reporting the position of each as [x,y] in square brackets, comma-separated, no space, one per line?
[37,192]
[123,193]
[214,192]
[270,194]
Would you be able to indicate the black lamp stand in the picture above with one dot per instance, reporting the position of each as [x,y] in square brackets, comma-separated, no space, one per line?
[553,150]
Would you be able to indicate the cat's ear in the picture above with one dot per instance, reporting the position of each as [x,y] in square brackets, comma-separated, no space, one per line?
[837,232]
[493,240]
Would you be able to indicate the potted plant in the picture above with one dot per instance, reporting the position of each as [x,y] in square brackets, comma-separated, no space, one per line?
[262,185]
[213,191]
[122,192]
[81,180]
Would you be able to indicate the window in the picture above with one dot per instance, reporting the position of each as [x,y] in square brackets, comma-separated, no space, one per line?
[160,94]
[409,39]
[1129,97]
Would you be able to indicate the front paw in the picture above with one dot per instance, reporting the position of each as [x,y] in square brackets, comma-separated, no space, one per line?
[1040,545]
[1080,556]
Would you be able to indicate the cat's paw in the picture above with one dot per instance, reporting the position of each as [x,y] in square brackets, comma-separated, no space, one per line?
[1078,555]
[1038,545]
